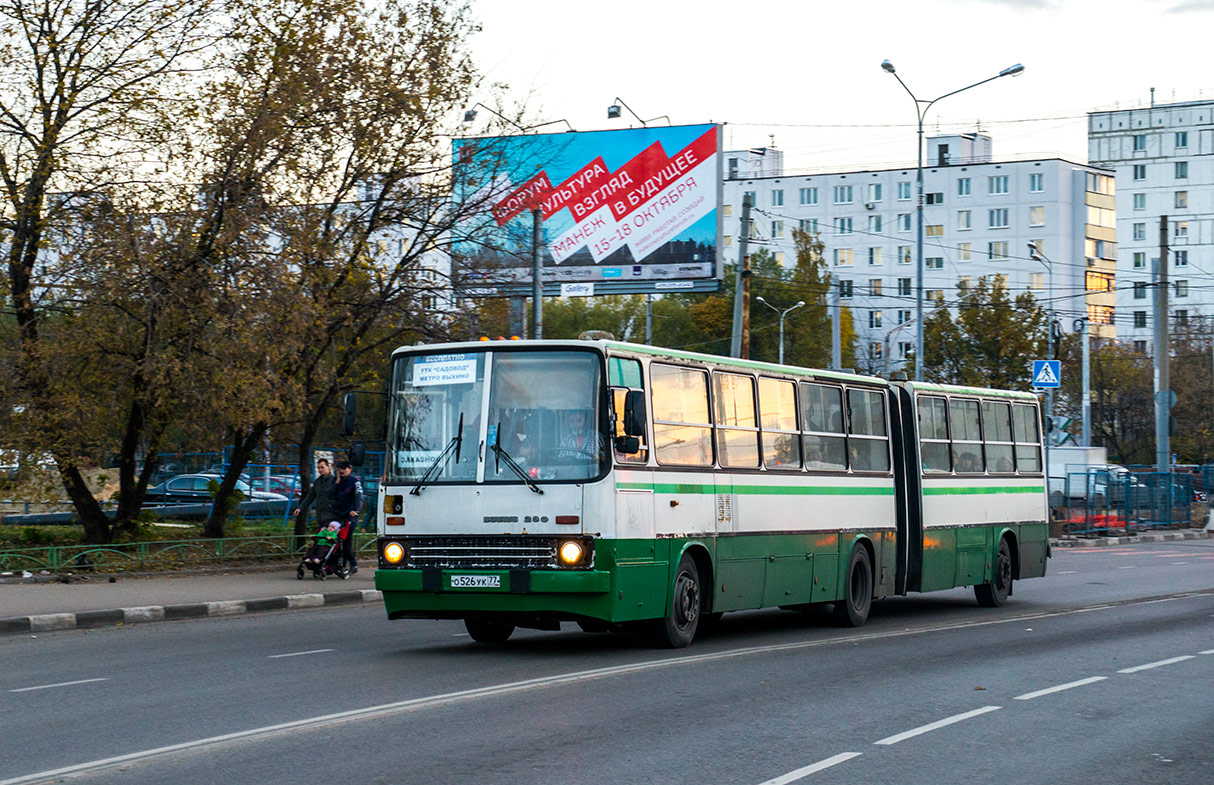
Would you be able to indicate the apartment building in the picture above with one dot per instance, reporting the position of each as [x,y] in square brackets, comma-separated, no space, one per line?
[980,214]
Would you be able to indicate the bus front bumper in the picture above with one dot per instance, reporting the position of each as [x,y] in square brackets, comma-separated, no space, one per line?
[523,596]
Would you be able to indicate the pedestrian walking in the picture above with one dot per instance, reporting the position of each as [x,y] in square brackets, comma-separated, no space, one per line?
[321,494]
[347,504]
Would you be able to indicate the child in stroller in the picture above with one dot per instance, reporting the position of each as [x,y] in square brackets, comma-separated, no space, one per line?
[323,556]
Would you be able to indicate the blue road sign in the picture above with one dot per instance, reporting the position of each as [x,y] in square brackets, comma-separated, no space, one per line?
[1047,373]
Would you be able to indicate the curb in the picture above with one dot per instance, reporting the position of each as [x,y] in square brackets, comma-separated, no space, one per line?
[49,622]
[1098,542]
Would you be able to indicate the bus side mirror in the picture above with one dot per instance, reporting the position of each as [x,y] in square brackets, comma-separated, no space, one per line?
[634,413]
[348,415]
[357,454]
[628,445]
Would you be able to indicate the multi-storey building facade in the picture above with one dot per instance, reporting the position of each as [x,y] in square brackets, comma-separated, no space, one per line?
[1163,157]
[979,217]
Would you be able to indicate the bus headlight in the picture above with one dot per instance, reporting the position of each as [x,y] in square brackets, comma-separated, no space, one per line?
[394,552]
[571,552]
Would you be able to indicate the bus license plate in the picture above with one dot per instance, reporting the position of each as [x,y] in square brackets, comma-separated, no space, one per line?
[476,581]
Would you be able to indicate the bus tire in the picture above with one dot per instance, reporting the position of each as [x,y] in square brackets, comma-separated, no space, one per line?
[486,631]
[678,628]
[994,594]
[852,610]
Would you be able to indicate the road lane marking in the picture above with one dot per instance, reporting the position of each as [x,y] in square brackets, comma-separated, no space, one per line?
[903,736]
[436,701]
[1159,664]
[299,653]
[1207,651]
[60,684]
[1178,562]
[1125,568]
[1067,572]
[805,771]
[1028,696]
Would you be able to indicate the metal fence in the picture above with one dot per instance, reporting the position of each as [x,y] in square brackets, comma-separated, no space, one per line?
[1099,501]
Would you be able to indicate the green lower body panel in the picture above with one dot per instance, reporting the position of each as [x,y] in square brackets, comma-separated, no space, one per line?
[965,556]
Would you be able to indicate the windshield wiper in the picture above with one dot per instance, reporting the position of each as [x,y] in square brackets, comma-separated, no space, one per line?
[502,455]
[432,471]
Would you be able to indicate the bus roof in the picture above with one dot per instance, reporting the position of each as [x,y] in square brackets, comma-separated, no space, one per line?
[957,389]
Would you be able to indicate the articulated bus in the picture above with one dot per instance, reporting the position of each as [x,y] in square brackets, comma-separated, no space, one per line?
[618,486]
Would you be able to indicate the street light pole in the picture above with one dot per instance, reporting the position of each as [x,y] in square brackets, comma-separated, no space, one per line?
[783,313]
[921,107]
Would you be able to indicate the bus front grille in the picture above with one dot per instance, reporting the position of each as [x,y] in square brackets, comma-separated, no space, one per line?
[490,553]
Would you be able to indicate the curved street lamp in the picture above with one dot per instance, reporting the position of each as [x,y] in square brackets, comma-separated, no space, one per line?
[921,107]
[783,313]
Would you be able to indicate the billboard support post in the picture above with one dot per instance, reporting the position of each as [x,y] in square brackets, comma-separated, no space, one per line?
[735,343]
[537,307]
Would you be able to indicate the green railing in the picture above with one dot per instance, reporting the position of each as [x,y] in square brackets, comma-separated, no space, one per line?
[164,555]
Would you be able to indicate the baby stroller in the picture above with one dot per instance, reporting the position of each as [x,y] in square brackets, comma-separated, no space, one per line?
[323,558]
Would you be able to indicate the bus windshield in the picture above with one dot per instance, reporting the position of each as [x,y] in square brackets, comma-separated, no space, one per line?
[461,418]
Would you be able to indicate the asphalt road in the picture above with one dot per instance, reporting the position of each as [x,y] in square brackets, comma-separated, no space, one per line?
[1101,671]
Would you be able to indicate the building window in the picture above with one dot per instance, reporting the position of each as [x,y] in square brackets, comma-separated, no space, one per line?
[1140,231]
[933,230]
[1182,170]
[1181,200]
[1182,138]
[874,319]
[1036,281]
[936,198]
[1036,183]
[997,185]
[1140,318]
[727,210]
[874,287]
[904,316]
[1140,201]
[1037,216]
[845,288]
[809,196]
[728,240]
[904,222]
[1097,281]
[780,258]
[874,350]
[1140,290]
[1140,142]
[1140,260]
[808,225]
[963,186]
[1181,229]
[965,252]
[777,198]
[842,226]
[997,219]
[874,224]
[904,254]
[935,295]
[1102,216]
[934,263]
[777,229]
[1182,288]
[964,220]
[1140,346]
[1100,314]
[874,192]
[997,250]
[1182,258]
[1140,171]
[1182,317]
[904,191]
[842,257]
[843,194]
[904,349]
[904,287]
[874,255]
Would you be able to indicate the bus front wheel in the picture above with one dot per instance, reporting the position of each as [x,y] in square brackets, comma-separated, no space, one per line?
[678,629]
[994,594]
[852,610]
[483,631]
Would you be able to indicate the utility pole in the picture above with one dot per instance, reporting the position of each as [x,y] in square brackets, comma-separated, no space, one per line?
[649,319]
[537,284]
[745,355]
[1085,336]
[1163,389]
[742,273]
[836,319]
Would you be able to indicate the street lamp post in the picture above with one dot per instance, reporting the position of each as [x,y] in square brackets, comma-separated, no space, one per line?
[1037,256]
[783,313]
[921,107]
[888,336]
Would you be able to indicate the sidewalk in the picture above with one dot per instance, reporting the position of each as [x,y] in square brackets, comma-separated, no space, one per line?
[46,603]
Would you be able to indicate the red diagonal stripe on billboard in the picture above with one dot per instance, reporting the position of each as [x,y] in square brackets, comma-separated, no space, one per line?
[527,196]
[650,180]
[586,179]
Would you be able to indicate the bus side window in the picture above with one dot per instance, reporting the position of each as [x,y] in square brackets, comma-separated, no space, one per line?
[1028,440]
[822,436]
[619,437]
[997,428]
[682,430]
[737,430]
[867,440]
[967,437]
[933,434]
[778,416]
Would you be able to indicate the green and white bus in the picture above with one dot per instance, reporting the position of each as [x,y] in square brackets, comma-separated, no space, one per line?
[616,485]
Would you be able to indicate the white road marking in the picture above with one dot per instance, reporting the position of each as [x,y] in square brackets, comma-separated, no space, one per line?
[936,725]
[1028,696]
[1125,568]
[1207,651]
[1159,664]
[60,684]
[1178,562]
[793,776]
[435,701]
[299,653]
[1067,572]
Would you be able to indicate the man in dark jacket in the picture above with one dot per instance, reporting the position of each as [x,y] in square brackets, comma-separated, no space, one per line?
[347,504]
[320,494]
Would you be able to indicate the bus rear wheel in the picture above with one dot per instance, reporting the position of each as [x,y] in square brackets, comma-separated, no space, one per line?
[678,628]
[485,631]
[852,610]
[995,593]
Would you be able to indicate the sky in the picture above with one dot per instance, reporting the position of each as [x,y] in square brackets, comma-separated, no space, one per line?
[807,75]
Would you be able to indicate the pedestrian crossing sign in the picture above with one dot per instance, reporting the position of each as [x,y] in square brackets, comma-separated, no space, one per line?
[1047,373]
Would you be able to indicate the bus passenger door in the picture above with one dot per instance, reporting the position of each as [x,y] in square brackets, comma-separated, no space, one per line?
[908,492]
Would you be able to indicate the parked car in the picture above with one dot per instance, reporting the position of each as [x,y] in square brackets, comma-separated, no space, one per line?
[195,489]
[285,484]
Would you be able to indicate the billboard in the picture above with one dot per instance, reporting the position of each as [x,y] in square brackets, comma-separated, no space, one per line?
[619,212]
